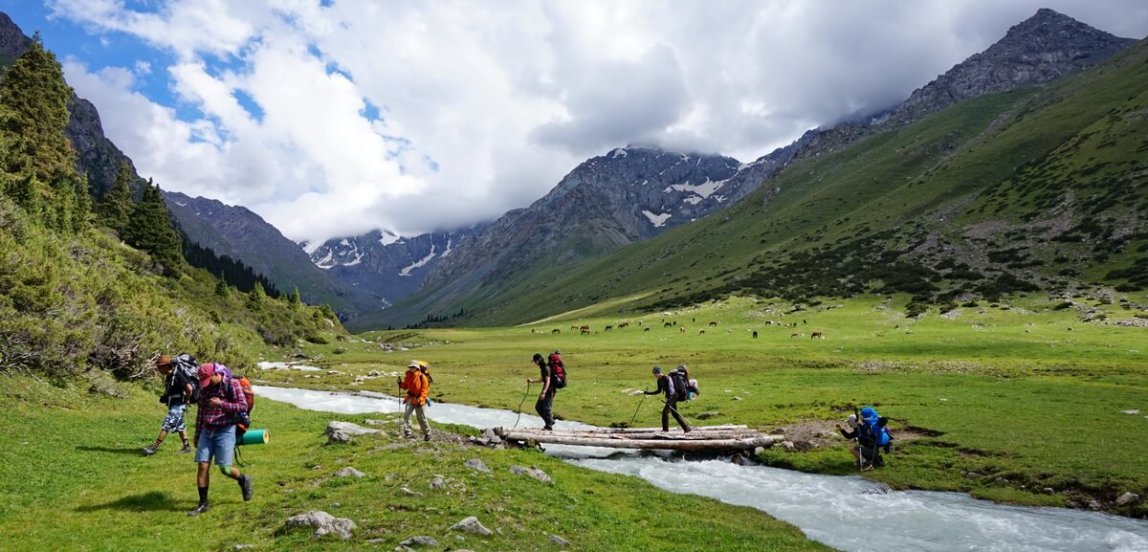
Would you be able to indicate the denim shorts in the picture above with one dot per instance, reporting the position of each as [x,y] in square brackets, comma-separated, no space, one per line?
[216,443]
[174,419]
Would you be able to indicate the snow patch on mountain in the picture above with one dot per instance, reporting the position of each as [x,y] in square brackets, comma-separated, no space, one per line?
[419,263]
[328,261]
[657,220]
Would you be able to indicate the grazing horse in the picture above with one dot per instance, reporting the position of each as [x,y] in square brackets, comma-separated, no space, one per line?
[608,328]
[646,329]
[793,335]
[755,334]
[701,332]
[555,331]
[681,329]
[713,323]
[667,325]
[816,335]
[585,331]
[623,325]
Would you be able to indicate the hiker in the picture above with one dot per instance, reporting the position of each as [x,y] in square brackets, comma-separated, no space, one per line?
[871,435]
[221,398]
[545,404]
[666,385]
[176,395]
[417,386]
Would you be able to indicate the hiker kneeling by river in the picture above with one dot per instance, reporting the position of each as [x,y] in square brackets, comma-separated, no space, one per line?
[871,434]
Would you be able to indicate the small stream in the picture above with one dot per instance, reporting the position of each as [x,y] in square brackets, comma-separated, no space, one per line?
[845,512]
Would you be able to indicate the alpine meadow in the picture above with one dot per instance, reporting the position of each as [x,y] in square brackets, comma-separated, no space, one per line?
[974,265]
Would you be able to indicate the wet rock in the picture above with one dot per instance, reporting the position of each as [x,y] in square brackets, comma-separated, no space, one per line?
[1049,490]
[1095,505]
[559,541]
[473,526]
[788,446]
[419,541]
[345,432]
[532,472]
[323,523]
[477,465]
[1127,498]
[349,472]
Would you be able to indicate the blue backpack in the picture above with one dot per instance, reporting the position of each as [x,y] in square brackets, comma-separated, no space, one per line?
[872,430]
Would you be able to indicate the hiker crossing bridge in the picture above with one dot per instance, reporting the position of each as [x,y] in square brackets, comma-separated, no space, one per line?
[698,439]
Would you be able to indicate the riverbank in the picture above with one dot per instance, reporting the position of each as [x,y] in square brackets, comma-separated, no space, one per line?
[72,478]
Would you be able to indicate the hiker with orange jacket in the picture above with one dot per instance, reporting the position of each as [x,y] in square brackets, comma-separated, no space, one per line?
[417,386]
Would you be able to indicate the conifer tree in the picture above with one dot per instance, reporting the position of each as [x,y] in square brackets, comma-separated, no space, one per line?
[150,228]
[34,102]
[293,298]
[256,296]
[221,287]
[116,206]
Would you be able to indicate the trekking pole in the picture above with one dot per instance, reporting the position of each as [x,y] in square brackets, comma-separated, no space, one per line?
[674,410]
[857,430]
[635,417]
[524,395]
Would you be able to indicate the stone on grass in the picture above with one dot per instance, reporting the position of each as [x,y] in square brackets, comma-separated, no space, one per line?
[708,415]
[345,432]
[532,472]
[419,541]
[472,525]
[477,465]
[438,482]
[349,472]
[559,541]
[323,523]
[1127,498]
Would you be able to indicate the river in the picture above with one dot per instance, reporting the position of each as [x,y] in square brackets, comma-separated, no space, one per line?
[845,512]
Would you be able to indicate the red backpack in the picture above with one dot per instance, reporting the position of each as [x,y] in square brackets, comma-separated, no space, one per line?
[557,370]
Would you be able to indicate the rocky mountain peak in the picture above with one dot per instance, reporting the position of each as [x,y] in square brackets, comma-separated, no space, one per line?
[1044,47]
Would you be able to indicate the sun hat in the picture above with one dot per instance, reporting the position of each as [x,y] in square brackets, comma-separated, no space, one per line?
[163,360]
[413,364]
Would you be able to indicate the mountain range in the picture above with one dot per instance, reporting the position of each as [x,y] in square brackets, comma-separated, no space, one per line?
[645,209]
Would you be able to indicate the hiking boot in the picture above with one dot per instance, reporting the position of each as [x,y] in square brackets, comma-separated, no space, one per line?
[186,449]
[248,487]
[426,437]
[150,449]
[203,507]
[686,430]
[548,428]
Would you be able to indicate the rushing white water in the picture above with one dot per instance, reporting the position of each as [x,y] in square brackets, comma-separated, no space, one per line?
[848,513]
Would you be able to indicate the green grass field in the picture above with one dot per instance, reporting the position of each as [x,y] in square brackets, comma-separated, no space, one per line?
[1020,402]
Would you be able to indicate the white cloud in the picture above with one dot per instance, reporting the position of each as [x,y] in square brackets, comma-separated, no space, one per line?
[484,107]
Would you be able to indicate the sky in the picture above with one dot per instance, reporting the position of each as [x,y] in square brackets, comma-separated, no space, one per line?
[332,118]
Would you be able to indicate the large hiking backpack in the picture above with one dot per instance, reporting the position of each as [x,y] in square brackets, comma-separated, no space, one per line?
[872,431]
[186,371]
[557,370]
[681,384]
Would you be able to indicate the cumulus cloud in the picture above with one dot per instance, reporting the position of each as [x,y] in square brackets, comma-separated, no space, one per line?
[333,119]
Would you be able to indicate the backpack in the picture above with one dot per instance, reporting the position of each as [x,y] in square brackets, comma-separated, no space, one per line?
[872,431]
[557,370]
[681,384]
[186,371]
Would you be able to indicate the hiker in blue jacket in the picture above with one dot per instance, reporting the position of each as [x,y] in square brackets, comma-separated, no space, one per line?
[666,386]
[871,434]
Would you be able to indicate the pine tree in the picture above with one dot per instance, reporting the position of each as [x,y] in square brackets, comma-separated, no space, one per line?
[150,228]
[34,102]
[221,288]
[256,296]
[293,298]
[116,206]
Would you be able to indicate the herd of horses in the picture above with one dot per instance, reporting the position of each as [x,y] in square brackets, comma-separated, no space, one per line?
[584,329]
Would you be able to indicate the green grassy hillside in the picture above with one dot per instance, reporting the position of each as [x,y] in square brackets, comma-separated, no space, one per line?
[1031,189]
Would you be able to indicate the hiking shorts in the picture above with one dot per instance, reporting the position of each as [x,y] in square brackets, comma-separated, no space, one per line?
[174,420]
[218,444]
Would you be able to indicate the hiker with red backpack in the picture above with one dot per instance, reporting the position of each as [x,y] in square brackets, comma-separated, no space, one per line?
[552,376]
[222,401]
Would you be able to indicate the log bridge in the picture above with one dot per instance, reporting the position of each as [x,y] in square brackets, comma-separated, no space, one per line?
[699,439]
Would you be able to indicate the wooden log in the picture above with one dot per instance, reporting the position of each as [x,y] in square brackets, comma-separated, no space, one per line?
[658,429]
[539,435]
[667,441]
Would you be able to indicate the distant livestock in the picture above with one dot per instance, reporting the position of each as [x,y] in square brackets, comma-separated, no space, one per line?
[816,335]
[755,334]
[608,328]
[555,331]
[713,323]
